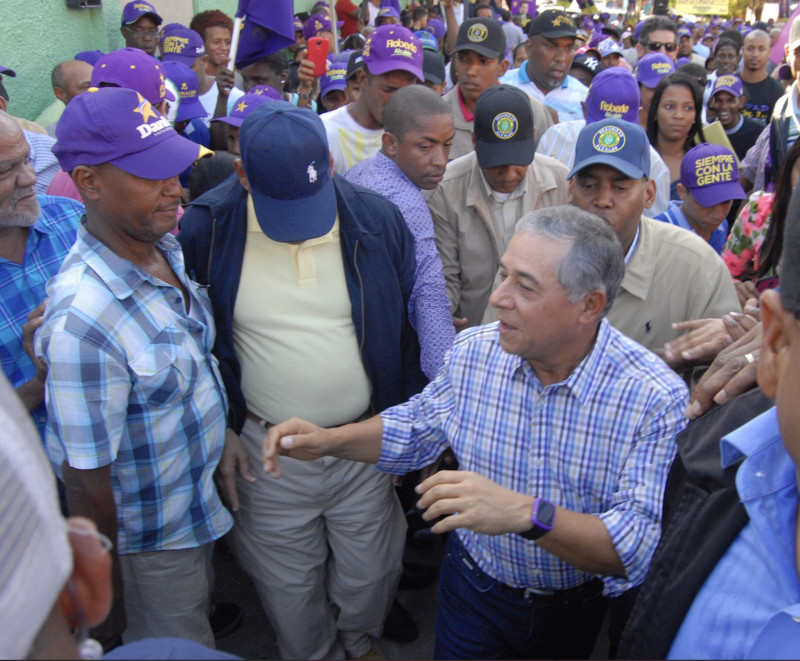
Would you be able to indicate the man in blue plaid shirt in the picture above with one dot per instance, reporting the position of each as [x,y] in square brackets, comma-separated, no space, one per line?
[564,432]
[36,232]
[136,405]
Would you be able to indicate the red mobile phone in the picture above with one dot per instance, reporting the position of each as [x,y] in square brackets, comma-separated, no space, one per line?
[318,54]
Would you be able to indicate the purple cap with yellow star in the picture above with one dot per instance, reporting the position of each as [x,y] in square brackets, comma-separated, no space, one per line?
[134,69]
[249,102]
[119,126]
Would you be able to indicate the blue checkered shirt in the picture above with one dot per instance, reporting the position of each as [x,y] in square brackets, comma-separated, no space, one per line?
[22,286]
[601,442]
[132,383]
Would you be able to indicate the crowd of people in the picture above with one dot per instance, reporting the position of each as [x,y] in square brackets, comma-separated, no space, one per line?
[528,277]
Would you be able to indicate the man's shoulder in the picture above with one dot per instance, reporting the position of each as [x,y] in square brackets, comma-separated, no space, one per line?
[671,242]
[370,210]
[575,86]
[512,77]
[547,168]
[459,168]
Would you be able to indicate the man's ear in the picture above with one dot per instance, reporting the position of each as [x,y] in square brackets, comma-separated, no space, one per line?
[238,167]
[649,193]
[570,184]
[593,305]
[503,67]
[390,143]
[87,180]
[778,325]
[90,592]
[682,192]
[60,94]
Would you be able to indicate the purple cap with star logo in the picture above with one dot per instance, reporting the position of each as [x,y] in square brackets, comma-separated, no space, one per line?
[134,69]
[119,126]
[248,103]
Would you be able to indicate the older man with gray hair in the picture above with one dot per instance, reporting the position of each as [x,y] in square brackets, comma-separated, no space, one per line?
[564,431]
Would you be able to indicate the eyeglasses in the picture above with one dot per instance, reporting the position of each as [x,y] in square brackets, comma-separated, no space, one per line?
[139,32]
[658,45]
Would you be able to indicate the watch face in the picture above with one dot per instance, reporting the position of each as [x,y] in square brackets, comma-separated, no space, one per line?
[545,514]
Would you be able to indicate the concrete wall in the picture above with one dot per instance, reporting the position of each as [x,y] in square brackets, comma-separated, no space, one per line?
[38,34]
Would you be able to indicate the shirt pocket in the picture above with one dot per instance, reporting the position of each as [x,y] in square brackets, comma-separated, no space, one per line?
[165,371]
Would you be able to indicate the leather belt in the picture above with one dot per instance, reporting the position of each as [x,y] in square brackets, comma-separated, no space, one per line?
[266,424]
[557,598]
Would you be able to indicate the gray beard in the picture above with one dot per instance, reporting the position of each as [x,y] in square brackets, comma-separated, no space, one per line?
[20,218]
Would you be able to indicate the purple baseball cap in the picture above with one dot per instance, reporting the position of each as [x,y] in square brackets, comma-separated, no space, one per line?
[683,31]
[711,174]
[185,82]
[614,92]
[119,126]
[730,83]
[393,48]
[298,24]
[317,23]
[89,56]
[134,69]
[133,11]
[653,67]
[248,103]
[287,161]
[180,44]
[335,78]
[436,28]
[391,12]
[5,71]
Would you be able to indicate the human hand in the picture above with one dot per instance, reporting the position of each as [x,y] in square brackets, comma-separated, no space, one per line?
[700,345]
[29,328]
[473,501]
[733,372]
[294,438]
[225,81]
[745,290]
[460,322]
[234,455]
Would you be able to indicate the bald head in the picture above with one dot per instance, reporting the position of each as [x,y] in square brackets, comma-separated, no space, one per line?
[756,54]
[757,36]
[70,79]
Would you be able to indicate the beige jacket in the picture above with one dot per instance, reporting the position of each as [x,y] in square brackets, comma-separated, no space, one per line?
[462,143]
[465,235]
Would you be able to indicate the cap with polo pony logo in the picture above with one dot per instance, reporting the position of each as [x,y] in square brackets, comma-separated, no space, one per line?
[485,36]
[503,127]
[622,145]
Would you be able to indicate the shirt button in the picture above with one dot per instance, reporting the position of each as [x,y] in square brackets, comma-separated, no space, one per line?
[42,419]
[538,462]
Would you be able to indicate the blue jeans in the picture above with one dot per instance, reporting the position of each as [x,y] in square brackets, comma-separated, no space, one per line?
[480,618]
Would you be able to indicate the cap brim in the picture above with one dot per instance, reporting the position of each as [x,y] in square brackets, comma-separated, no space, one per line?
[288,221]
[378,68]
[166,159]
[479,49]
[232,121]
[433,78]
[557,34]
[496,154]
[708,196]
[190,110]
[8,72]
[626,167]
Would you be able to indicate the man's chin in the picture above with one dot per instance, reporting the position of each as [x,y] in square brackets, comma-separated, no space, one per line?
[21,218]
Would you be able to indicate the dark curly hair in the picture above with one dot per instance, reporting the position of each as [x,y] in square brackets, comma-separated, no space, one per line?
[210,19]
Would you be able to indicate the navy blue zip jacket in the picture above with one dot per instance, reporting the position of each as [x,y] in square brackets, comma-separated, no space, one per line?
[378,255]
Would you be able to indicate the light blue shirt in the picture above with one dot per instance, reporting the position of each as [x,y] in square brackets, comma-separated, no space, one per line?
[748,604]
[565,100]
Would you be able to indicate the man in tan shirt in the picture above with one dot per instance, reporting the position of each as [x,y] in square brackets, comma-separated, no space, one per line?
[483,194]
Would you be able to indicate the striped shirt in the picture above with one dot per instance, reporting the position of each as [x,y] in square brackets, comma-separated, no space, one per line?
[559,142]
[22,286]
[349,142]
[132,383]
[600,442]
[565,100]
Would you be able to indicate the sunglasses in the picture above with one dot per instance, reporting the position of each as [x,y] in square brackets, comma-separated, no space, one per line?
[658,45]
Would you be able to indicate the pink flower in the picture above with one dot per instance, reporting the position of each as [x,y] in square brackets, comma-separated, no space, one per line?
[764,210]
[747,229]
[735,264]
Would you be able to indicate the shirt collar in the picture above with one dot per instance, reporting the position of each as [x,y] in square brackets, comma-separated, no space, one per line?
[468,116]
[121,276]
[640,261]
[524,78]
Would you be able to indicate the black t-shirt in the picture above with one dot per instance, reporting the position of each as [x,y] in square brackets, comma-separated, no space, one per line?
[761,98]
[745,137]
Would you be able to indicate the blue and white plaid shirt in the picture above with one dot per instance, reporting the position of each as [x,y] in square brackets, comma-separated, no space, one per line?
[565,99]
[22,286]
[132,383]
[600,442]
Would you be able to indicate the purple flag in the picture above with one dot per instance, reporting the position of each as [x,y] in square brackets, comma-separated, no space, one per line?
[268,27]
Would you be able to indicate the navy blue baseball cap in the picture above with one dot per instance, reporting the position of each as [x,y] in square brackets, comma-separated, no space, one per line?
[615,142]
[287,162]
